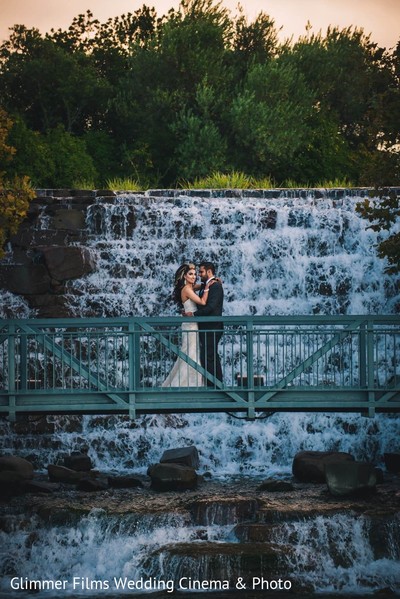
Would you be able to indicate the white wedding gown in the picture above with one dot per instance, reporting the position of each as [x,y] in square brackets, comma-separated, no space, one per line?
[182,374]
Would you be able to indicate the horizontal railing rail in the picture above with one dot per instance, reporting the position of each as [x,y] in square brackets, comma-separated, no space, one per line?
[270,363]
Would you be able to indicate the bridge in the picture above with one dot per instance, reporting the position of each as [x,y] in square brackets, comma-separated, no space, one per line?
[270,364]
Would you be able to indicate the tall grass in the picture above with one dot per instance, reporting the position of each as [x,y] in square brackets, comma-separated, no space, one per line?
[332,183]
[231,180]
[123,184]
[217,180]
[292,184]
[239,180]
[87,184]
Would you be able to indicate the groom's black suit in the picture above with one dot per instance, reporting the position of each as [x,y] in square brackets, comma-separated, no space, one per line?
[211,332]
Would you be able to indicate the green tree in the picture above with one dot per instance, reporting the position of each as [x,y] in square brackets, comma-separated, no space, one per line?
[48,85]
[348,75]
[34,156]
[269,119]
[158,103]
[105,154]
[253,43]
[383,215]
[161,98]
[58,158]
[200,147]
[71,160]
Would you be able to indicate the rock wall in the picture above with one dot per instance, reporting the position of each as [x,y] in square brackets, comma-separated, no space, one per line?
[49,250]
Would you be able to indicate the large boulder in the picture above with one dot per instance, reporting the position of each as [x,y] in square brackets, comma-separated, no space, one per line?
[309,466]
[392,462]
[63,475]
[68,219]
[124,482]
[80,462]
[187,456]
[65,263]
[350,478]
[11,483]
[93,484]
[273,485]
[172,477]
[24,279]
[28,237]
[41,486]
[20,466]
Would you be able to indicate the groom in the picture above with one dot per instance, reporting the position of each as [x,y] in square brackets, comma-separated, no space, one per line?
[210,333]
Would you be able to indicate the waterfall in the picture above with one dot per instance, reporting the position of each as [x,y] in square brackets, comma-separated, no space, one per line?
[227,446]
[340,551]
[278,253]
[303,255]
[100,554]
[291,252]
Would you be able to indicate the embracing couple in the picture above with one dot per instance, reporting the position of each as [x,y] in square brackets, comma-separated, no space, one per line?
[199,341]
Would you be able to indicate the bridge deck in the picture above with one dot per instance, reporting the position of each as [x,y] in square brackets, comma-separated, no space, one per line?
[118,365]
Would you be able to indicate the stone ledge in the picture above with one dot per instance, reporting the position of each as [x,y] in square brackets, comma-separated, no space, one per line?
[273,193]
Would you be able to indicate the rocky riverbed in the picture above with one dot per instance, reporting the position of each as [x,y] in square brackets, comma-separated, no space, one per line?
[242,495]
[263,535]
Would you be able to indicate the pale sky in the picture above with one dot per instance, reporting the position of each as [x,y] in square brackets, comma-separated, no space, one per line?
[380,18]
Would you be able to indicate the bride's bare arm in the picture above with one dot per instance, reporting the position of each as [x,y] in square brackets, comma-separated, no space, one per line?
[190,294]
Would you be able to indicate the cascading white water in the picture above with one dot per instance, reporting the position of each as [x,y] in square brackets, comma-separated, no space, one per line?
[284,255]
[98,553]
[291,254]
[337,550]
[276,256]
[13,306]
[227,446]
[100,547]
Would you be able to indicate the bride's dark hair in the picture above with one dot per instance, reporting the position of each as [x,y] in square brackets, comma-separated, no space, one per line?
[179,281]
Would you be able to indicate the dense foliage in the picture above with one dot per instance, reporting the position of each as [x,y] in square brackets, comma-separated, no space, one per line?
[14,195]
[383,215]
[172,98]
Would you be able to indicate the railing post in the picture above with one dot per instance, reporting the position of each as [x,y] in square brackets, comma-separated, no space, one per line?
[250,370]
[23,366]
[370,369]
[362,352]
[11,373]
[134,366]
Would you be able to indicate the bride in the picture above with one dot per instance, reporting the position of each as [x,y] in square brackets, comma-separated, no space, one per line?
[182,374]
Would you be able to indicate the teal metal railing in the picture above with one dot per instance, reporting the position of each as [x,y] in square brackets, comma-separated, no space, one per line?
[118,365]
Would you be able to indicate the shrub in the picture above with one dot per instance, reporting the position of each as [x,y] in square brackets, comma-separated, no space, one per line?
[14,203]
